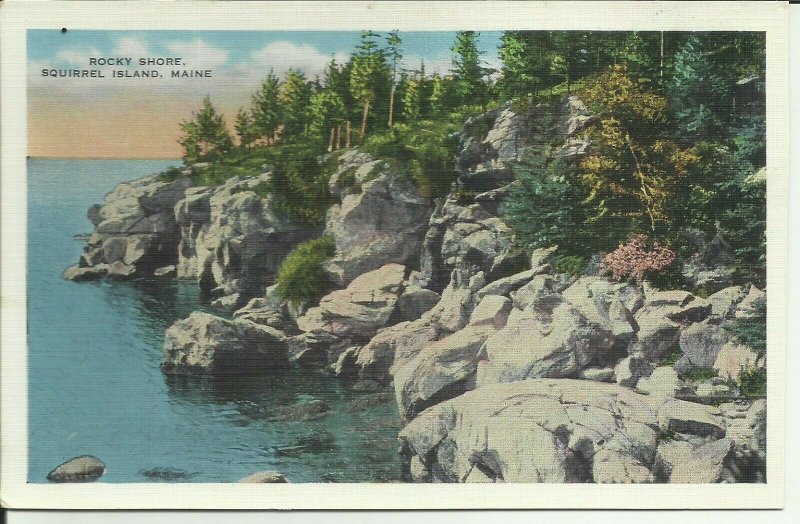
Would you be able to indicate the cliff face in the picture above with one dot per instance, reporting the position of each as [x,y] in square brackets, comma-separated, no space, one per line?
[550,377]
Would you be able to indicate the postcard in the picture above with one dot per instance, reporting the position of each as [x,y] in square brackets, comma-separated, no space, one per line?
[400,255]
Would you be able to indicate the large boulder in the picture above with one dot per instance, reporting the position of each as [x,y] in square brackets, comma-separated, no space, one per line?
[135,230]
[85,468]
[552,430]
[700,344]
[384,223]
[206,344]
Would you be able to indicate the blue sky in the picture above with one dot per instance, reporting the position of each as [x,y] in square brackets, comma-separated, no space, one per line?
[236,47]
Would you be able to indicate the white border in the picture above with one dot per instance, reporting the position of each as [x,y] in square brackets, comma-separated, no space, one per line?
[16,17]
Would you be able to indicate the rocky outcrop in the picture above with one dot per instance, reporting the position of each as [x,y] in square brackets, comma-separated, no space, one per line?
[232,240]
[85,468]
[206,344]
[264,477]
[353,315]
[135,231]
[382,223]
[557,430]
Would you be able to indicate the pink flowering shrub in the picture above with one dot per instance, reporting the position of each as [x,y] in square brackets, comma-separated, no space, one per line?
[635,258]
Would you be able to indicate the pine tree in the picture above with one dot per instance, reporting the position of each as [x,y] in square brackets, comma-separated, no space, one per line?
[294,98]
[368,73]
[266,110]
[394,54]
[245,128]
[468,69]
[412,99]
[205,135]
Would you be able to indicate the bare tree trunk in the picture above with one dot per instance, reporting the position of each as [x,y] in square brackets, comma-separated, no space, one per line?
[338,136]
[391,104]
[347,140]
[330,141]
[661,64]
[364,120]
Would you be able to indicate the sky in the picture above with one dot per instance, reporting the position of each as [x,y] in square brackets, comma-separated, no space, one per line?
[140,117]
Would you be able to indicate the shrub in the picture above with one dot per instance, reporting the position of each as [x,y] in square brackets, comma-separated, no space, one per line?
[753,382]
[751,331]
[301,277]
[636,259]
[572,265]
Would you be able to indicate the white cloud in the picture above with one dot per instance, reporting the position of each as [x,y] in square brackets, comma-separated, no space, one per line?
[433,64]
[78,57]
[197,54]
[131,47]
[283,55]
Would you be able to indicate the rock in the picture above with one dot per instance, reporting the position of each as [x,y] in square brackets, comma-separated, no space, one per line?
[345,365]
[746,425]
[264,477]
[724,302]
[441,370]
[355,314]
[370,401]
[553,341]
[705,389]
[85,468]
[540,286]
[712,265]
[551,430]
[80,274]
[704,465]
[395,344]
[542,256]
[204,344]
[167,474]
[734,358]
[700,344]
[663,381]
[228,303]
[165,272]
[601,302]
[383,224]
[300,411]
[660,320]
[366,385]
[492,311]
[506,285]
[754,298]
[630,369]
[598,374]
[668,454]
[415,300]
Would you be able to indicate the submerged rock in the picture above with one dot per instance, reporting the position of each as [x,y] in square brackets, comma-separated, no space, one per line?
[85,468]
[264,477]
[300,411]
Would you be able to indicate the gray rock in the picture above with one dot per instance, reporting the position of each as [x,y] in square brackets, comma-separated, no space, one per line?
[724,302]
[704,465]
[663,381]
[700,344]
[415,300]
[746,307]
[80,274]
[165,272]
[734,358]
[207,344]
[227,303]
[384,223]
[660,320]
[598,374]
[630,369]
[506,285]
[550,430]
[85,468]
[264,477]
[492,311]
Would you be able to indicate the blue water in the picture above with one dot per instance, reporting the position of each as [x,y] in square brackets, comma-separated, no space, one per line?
[95,386]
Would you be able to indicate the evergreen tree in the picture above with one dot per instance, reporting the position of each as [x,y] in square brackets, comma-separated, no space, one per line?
[394,54]
[245,128]
[205,135]
[368,74]
[294,98]
[266,108]
[468,69]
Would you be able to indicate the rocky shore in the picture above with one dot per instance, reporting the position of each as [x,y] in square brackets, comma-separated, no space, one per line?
[504,368]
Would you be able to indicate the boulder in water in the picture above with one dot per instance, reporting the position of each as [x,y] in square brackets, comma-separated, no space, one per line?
[85,468]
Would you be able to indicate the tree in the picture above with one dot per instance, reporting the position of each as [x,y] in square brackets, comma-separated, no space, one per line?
[245,128]
[266,109]
[294,98]
[395,54]
[205,135]
[634,169]
[526,62]
[412,99]
[368,74]
[467,67]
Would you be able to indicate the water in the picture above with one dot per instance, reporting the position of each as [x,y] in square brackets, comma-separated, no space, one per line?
[95,386]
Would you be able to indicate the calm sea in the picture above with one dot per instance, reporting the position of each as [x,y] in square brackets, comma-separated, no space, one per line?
[95,386]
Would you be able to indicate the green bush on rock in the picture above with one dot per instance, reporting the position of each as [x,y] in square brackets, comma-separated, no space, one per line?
[301,276]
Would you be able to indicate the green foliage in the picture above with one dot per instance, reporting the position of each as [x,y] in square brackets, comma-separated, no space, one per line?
[267,112]
[468,68]
[671,358]
[301,277]
[205,136]
[369,76]
[544,207]
[171,174]
[751,330]
[753,382]
[245,128]
[294,97]
[572,265]
[699,374]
